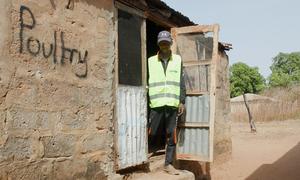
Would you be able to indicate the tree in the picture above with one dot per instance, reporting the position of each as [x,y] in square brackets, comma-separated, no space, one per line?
[245,79]
[285,69]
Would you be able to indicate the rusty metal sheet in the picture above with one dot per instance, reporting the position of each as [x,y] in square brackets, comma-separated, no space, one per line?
[132,121]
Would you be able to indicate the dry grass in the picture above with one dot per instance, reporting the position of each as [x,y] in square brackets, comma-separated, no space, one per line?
[286,107]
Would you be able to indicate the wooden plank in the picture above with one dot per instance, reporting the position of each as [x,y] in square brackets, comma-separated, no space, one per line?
[190,157]
[195,29]
[194,124]
[115,92]
[196,79]
[144,53]
[144,80]
[197,63]
[213,89]
[187,47]
[128,9]
[174,37]
[196,93]
[203,77]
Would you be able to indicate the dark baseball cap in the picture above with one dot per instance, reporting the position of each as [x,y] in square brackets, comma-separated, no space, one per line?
[164,36]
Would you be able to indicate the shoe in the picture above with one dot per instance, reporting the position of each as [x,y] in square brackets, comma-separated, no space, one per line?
[171,170]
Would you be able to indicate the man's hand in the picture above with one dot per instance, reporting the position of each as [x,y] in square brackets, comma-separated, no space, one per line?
[181,109]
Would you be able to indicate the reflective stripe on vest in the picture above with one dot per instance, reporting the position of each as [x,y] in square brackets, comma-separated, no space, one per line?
[164,89]
[164,83]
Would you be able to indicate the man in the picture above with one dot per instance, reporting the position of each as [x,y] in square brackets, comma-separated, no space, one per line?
[166,94]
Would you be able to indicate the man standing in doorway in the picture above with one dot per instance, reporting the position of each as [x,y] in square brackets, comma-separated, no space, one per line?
[166,94]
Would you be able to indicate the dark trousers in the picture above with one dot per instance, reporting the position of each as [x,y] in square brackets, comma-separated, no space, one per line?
[167,117]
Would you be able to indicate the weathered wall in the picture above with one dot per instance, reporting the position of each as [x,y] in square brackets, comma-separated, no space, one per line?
[222,137]
[56,78]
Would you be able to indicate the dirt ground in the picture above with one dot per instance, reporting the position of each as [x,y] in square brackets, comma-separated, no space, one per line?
[273,153]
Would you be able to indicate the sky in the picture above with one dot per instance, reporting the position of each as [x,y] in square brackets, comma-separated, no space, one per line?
[257,30]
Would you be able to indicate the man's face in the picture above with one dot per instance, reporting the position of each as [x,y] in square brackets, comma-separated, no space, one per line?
[164,46]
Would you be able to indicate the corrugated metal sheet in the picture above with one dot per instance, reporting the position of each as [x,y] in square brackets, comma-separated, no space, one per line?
[197,108]
[195,141]
[132,121]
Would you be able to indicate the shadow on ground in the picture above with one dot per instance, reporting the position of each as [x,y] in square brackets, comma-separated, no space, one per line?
[201,170]
[287,167]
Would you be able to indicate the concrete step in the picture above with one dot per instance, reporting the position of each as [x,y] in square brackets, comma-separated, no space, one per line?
[156,165]
[156,170]
[161,175]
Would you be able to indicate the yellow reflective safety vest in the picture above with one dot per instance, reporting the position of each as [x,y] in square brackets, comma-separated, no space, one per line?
[164,89]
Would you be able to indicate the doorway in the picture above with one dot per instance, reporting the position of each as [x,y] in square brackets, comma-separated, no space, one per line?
[137,41]
[152,30]
[131,94]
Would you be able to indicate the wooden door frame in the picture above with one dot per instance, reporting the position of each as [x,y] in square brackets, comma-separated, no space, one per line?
[123,7]
[213,65]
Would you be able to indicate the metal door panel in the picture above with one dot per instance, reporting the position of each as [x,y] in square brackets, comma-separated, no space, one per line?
[132,120]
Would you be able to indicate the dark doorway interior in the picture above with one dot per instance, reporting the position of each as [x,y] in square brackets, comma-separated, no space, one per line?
[152,31]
